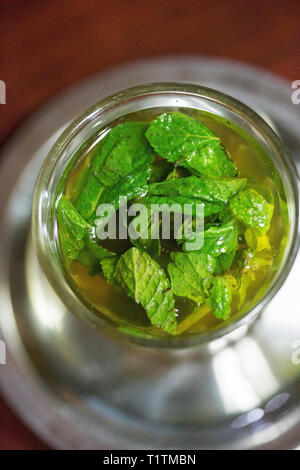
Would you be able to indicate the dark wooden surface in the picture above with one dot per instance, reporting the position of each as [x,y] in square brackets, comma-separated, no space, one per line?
[47,45]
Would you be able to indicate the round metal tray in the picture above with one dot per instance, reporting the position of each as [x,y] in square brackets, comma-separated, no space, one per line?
[78,390]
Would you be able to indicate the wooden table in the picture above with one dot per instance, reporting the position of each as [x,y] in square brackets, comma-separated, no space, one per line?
[50,44]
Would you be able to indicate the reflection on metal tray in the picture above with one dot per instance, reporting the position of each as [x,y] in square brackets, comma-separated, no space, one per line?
[79,390]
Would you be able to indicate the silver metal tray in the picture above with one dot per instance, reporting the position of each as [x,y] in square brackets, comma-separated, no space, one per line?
[77,389]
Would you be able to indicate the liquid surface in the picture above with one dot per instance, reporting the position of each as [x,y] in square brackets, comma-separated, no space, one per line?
[123,311]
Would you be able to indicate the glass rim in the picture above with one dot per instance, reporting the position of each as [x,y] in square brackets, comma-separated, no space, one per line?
[52,268]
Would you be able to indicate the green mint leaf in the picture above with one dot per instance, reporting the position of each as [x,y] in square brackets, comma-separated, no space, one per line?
[70,247]
[96,250]
[146,282]
[109,266]
[199,188]
[132,186]
[91,254]
[88,200]
[209,207]
[76,236]
[221,243]
[189,274]
[88,260]
[185,140]
[224,261]
[220,297]
[252,209]
[142,279]
[245,280]
[220,240]
[121,152]
[120,166]
[72,228]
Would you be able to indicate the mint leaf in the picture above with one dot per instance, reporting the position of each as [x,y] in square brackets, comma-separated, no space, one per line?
[72,228]
[76,236]
[252,209]
[209,207]
[120,166]
[132,186]
[185,140]
[220,240]
[121,153]
[199,188]
[190,273]
[145,281]
[109,266]
[96,250]
[224,261]
[191,276]
[91,254]
[88,200]
[220,297]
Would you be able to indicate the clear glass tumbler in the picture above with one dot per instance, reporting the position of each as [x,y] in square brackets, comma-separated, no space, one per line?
[152,97]
[161,392]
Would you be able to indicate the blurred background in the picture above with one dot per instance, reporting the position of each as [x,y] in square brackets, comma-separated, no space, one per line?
[49,45]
